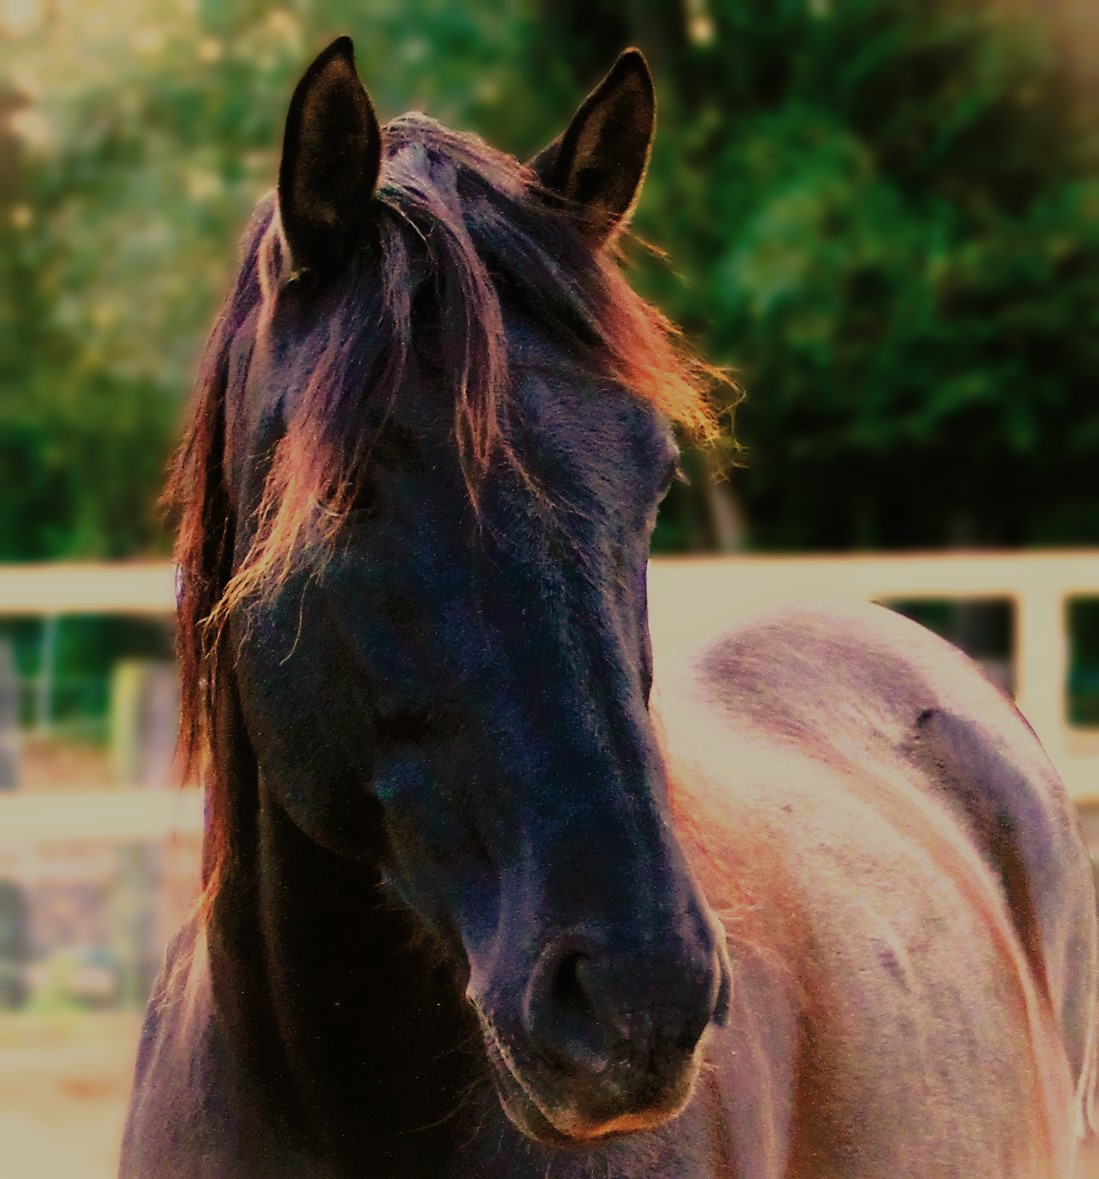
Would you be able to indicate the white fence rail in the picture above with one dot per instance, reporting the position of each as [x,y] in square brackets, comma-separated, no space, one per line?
[103,816]
[690,599]
[53,590]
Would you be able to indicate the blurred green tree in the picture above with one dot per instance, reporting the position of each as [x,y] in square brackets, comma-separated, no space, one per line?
[885,213]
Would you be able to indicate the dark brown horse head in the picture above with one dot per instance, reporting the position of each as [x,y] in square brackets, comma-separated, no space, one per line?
[434,431]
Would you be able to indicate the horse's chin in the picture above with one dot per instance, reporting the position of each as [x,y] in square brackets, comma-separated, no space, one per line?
[525,1115]
[566,1126]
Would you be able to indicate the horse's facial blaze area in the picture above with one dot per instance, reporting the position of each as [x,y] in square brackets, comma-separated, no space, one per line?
[559,1108]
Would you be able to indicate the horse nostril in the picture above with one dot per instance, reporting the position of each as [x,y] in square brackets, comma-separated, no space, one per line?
[587,1008]
[565,1012]
[567,991]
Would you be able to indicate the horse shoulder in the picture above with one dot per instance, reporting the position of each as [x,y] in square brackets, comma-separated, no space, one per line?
[896,792]
[884,1002]
[872,687]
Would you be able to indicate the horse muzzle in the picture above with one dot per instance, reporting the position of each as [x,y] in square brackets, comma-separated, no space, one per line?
[607,1039]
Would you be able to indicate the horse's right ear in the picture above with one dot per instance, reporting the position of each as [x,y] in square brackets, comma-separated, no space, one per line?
[598,162]
[331,156]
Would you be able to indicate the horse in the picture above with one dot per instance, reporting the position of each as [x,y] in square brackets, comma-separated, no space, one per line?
[473,904]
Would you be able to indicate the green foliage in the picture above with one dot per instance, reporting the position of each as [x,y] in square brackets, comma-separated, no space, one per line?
[893,235]
[883,213]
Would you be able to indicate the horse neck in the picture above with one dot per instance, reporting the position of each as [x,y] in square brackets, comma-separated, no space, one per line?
[345,1014]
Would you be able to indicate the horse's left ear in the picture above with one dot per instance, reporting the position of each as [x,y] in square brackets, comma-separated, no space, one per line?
[598,163]
[331,156]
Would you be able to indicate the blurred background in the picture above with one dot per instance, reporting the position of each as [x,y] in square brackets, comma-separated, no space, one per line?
[882,214]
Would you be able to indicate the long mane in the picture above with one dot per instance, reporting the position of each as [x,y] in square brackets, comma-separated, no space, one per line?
[458,229]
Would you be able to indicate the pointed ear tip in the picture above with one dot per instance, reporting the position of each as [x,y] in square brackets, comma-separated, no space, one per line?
[341,50]
[336,59]
[633,58]
[631,70]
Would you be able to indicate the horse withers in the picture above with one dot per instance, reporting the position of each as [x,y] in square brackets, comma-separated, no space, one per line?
[468,909]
